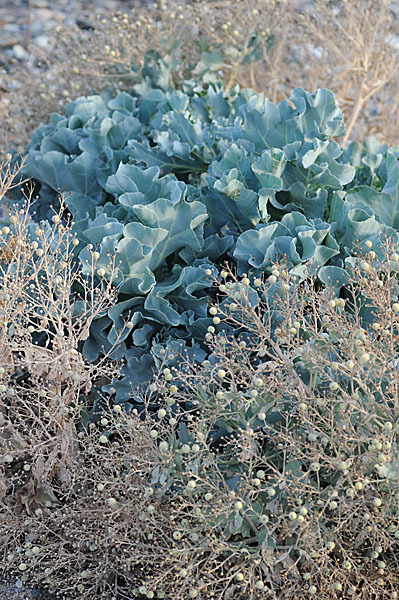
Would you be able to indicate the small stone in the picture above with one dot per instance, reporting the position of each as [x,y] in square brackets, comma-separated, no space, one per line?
[84,25]
[19,52]
[12,28]
[42,41]
[36,28]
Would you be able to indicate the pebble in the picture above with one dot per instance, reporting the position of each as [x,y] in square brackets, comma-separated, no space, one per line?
[19,52]
[42,41]
[16,591]
[11,28]
[36,28]
[394,42]
[40,3]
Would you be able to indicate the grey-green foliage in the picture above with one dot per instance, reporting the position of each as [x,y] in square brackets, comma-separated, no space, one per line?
[177,182]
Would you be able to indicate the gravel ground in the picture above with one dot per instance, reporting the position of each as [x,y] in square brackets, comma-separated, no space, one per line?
[9,591]
[31,21]
[27,43]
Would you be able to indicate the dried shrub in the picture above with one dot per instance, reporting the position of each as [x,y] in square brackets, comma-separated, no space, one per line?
[72,494]
[45,387]
[286,468]
[87,534]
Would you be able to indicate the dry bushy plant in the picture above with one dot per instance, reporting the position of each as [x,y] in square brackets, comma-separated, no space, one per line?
[299,495]
[90,535]
[53,517]
[272,46]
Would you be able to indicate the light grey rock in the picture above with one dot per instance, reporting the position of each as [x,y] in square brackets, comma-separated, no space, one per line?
[42,41]
[40,3]
[37,28]
[12,28]
[19,52]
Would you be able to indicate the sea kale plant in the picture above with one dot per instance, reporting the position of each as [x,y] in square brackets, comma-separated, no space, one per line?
[173,184]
